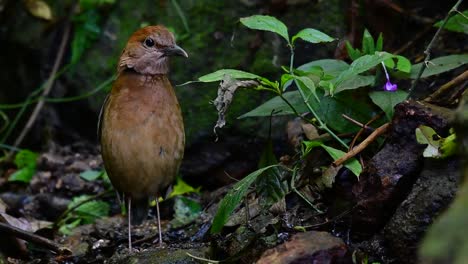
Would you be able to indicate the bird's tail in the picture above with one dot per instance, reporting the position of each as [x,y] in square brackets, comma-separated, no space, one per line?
[138,210]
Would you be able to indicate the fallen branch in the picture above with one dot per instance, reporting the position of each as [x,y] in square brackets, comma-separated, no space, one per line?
[33,238]
[379,131]
[444,89]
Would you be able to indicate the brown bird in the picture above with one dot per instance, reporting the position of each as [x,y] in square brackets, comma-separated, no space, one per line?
[140,125]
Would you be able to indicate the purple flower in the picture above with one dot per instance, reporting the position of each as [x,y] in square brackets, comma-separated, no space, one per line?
[389,86]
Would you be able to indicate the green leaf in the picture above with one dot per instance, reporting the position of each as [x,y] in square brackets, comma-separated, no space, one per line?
[285,80]
[90,175]
[307,87]
[277,106]
[379,44]
[67,229]
[427,135]
[352,53]
[89,211]
[387,100]
[26,161]
[439,65]
[352,164]
[269,185]
[233,198]
[181,187]
[363,64]
[307,146]
[354,83]
[312,35]
[403,64]
[329,66]
[87,30]
[22,175]
[367,43]
[266,23]
[457,23]
[219,75]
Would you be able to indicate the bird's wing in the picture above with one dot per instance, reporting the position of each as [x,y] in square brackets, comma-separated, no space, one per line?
[101,117]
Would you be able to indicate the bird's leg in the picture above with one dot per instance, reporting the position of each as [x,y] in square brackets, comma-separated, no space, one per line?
[129,213]
[159,222]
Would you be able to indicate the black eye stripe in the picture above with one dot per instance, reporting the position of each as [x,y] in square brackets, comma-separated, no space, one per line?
[149,42]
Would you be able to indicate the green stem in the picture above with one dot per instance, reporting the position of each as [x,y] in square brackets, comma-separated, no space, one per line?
[429,47]
[309,107]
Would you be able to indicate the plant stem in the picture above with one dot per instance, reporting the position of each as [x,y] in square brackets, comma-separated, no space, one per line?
[306,102]
[429,47]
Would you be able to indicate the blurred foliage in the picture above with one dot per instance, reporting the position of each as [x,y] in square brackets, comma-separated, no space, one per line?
[457,23]
[25,161]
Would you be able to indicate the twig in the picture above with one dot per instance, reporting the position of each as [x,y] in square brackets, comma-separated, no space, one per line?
[382,129]
[203,259]
[361,125]
[33,238]
[69,210]
[48,85]
[429,47]
[410,43]
[444,88]
[362,130]
[330,220]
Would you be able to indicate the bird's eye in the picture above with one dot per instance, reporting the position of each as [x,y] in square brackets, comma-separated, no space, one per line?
[149,42]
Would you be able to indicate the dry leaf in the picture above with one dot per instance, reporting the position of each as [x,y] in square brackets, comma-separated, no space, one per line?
[39,9]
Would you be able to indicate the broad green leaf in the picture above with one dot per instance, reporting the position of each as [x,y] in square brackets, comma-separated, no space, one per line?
[267,23]
[363,64]
[219,75]
[354,83]
[352,164]
[89,211]
[367,43]
[312,35]
[457,23]
[277,106]
[233,198]
[439,65]
[307,87]
[387,100]
[90,175]
[181,187]
[329,66]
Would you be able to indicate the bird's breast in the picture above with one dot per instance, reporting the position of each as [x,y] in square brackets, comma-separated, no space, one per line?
[142,135]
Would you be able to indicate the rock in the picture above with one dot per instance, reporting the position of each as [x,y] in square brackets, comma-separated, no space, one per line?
[393,170]
[309,247]
[431,194]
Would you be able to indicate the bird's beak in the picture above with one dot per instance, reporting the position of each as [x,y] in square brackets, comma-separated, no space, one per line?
[175,50]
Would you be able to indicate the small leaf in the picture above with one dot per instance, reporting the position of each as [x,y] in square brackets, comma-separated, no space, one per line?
[363,64]
[427,135]
[439,65]
[312,35]
[379,44]
[367,43]
[352,53]
[307,86]
[89,211]
[39,9]
[387,100]
[181,187]
[307,146]
[233,198]
[90,175]
[22,175]
[219,75]
[403,64]
[266,23]
[352,164]
[457,23]
[186,210]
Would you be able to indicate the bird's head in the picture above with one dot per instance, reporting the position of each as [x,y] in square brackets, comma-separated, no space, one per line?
[148,51]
